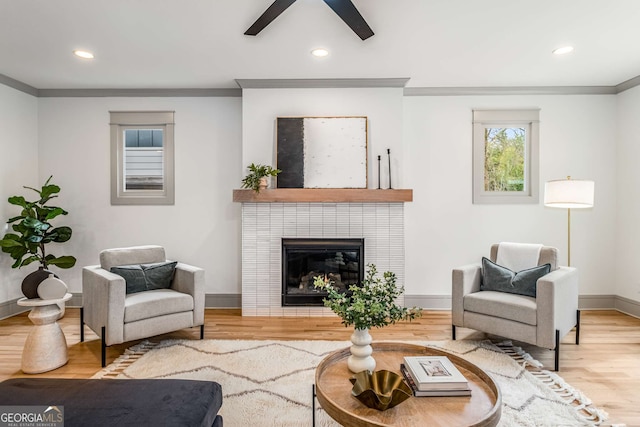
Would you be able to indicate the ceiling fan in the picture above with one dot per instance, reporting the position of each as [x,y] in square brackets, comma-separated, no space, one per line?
[343,8]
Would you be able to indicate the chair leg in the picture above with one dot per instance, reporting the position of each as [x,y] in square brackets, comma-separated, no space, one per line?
[81,324]
[202,331]
[453,332]
[557,351]
[104,347]
[578,327]
[313,405]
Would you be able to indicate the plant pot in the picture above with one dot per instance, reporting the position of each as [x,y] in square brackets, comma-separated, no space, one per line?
[361,350]
[32,280]
[264,182]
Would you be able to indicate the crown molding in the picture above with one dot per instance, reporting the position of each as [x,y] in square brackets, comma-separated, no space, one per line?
[101,93]
[138,93]
[510,90]
[319,83]
[631,83]
[18,85]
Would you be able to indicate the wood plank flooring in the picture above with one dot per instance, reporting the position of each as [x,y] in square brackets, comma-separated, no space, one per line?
[605,366]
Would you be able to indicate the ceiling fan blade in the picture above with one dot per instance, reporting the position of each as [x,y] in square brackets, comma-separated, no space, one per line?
[350,15]
[272,12]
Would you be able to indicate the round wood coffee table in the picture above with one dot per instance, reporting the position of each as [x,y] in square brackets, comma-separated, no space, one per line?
[333,389]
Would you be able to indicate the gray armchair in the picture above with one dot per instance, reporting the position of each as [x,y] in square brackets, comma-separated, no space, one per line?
[117,316]
[541,320]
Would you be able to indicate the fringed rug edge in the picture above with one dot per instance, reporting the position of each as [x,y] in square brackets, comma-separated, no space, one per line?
[581,403]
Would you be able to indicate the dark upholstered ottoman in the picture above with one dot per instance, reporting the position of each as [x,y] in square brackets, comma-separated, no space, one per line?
[159,402]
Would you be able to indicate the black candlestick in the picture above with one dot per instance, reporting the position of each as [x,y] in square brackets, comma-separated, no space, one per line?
[389,155]
[378,172]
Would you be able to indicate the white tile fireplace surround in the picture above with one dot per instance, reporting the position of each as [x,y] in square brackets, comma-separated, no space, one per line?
[265,224]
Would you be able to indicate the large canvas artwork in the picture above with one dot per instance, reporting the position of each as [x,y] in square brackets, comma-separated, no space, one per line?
[322,152]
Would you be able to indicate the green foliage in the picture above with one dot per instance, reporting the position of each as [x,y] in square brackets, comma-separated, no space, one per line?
[256,172]
[504,159]
[33,230]
[372,304]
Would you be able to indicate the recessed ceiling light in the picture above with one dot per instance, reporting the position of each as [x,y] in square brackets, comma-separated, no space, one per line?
[83,54]
[320,52]
[563,50]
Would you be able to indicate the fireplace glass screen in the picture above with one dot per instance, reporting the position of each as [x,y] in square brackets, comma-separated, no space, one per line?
[340,260]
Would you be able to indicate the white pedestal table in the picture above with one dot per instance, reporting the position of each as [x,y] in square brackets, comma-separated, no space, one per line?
[46,345]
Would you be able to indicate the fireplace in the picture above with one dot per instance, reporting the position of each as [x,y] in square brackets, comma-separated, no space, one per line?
[340,260]
[265,224]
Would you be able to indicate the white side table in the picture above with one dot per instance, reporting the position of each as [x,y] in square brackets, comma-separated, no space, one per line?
[46,346]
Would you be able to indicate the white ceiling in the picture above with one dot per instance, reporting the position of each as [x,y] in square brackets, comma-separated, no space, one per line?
[436,43]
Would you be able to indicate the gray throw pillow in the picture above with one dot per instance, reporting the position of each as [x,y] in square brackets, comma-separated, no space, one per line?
[159,275]
[133,277]
[498,278]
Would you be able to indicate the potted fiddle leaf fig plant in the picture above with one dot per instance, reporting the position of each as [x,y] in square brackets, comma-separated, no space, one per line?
[256,179]
[32,231]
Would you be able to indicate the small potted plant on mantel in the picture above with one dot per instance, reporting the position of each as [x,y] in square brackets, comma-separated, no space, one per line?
[257,178]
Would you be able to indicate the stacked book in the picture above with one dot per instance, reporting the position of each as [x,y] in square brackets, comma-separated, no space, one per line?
[434,376]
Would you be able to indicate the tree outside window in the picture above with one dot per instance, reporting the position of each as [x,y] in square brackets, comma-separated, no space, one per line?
[505,156]
[504,159]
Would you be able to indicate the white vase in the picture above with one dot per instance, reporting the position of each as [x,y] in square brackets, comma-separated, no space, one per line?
[51,288]
[361,359]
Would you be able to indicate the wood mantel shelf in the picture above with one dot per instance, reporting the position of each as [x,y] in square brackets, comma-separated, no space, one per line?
[323,195]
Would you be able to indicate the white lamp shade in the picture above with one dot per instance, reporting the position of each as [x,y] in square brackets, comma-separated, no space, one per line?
[569,193]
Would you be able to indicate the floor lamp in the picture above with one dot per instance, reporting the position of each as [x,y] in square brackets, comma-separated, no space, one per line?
[570,194]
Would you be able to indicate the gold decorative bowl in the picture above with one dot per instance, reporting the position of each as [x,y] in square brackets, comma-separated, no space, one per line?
[380,390]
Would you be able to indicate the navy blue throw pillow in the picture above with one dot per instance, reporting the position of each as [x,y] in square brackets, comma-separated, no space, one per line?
[501,279]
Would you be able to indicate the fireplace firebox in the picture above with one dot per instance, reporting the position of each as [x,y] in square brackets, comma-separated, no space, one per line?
[341,260]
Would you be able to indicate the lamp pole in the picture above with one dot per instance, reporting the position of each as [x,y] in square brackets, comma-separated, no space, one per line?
[568,194]
[568,237]
[568,232]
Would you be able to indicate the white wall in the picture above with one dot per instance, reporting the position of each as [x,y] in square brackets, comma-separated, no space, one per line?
[383,107]
[628,206]
[430,141]
[18,167]
[202,228]
[444,228]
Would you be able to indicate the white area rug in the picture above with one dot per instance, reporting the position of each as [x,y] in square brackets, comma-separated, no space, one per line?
[269,383]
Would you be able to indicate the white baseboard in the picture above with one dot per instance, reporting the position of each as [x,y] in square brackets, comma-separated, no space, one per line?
[428,302]
[11,308]
[628,306]
[585,302]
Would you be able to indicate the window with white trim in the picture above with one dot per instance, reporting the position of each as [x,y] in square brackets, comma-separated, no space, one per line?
[505,156]
[142,164]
